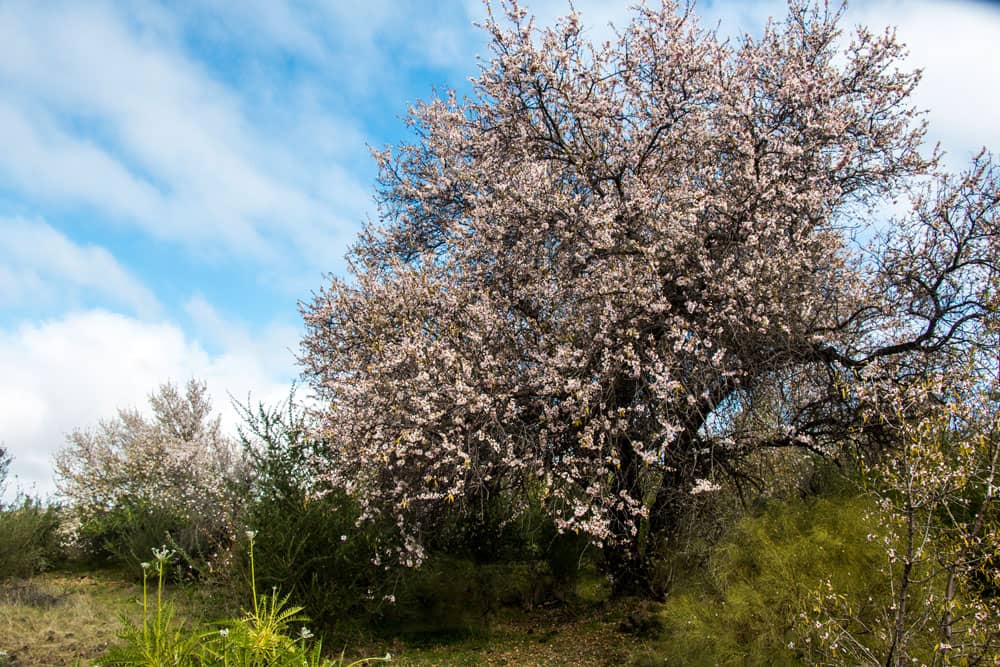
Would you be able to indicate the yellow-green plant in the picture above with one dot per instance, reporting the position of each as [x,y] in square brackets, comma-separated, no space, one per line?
[263,636]
[158,640]
[938,525]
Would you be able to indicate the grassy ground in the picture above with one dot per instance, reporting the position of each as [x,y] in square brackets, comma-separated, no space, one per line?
[543,637]
[67,618]
[61,618]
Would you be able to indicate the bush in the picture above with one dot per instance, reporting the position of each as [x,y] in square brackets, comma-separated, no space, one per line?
[124,534]
[28,538]
[745,608]
[134,482]
[512,531]
[307,541]
[310,544]
[311,549]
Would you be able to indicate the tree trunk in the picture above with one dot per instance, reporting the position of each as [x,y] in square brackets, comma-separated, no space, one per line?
[630,571]
[624,555]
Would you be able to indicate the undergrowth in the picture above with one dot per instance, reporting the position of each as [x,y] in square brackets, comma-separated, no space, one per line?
[746,606]
[264,636]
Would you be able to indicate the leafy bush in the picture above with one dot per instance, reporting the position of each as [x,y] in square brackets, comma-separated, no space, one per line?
[310,544]
[511,531]
[28,540]
[744,609]
[126,533]
[307,541]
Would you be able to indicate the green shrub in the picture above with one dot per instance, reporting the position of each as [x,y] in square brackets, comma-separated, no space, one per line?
[312,550]
[126,534]
[743,609]
[307,542]
[28,537]
[511,531]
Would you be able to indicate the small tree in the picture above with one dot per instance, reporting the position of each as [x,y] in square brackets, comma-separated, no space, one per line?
[583,275]
[171,472]
[939,523]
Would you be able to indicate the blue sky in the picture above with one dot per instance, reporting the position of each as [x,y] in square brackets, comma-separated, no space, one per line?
[174,176]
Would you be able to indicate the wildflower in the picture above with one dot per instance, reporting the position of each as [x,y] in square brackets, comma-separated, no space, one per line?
[305,633]
[224,632]
[250,534]
[162,554]
[145,565]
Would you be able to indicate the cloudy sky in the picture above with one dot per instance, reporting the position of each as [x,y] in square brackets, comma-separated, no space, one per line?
[174,176]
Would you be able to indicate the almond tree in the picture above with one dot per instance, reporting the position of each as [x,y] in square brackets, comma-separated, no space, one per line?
[585,273]
[179,463]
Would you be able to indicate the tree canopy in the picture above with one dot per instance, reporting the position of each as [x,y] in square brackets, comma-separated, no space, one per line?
[617,269]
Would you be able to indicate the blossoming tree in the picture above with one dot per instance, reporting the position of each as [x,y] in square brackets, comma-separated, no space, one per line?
[583,275]
[179,464]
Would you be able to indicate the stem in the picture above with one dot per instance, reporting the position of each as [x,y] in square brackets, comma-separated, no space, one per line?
[159,591]
[159,601]
[145,615]
[949,596]
[253,581]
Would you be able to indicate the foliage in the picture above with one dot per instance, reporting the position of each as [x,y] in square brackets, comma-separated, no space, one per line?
[134,480]
[307,541]
[261,637]
[617,270]
[743,608]
[939,531]
[28,537]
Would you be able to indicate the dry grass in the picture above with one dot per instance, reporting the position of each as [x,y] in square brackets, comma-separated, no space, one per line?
[61,618]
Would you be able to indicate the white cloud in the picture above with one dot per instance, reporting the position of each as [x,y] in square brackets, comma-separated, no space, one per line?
[41,266]
[955,44]
[70,372]
[115,115]
[43,161]
[273,346]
